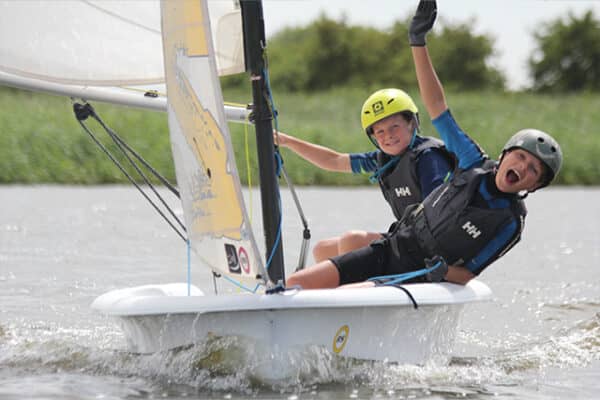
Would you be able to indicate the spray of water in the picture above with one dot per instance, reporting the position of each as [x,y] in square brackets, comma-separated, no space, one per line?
[233,366]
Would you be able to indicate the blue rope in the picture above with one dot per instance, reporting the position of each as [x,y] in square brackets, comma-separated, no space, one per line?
[397,278]
[271,101]
[238,284]
[189,267]
[373,178]
[279,163]
[277,238]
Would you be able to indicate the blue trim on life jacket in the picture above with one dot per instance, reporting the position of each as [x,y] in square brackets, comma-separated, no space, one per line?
[474,265]
[493,202]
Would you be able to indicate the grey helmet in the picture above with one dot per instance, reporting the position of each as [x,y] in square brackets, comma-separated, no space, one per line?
[541,145]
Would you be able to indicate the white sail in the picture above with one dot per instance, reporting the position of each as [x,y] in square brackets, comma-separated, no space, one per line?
[215,216]
[102,50]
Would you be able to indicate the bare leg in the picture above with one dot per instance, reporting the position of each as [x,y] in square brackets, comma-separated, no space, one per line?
[353,240]
[325,249]
[319,276]
[357,285]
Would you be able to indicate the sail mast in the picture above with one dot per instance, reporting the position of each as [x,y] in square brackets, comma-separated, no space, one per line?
[254,44]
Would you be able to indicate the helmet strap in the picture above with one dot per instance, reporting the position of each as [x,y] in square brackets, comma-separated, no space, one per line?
[412,139]
[415,130]
[417,121]
[372,139]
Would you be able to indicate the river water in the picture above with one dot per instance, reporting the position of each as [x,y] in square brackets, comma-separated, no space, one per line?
[60,247]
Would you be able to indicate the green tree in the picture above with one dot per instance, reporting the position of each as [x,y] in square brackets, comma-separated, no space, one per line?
[329,53]
[462,58]
[567,58]
[395,61]
[325,54]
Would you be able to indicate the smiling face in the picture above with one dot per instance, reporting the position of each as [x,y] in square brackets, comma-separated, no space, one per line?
[393,134]
[519,170]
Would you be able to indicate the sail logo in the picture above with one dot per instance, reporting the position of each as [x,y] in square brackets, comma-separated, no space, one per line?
[471,229]
[237,259]
[340,339]
[402,191]
[233,262]
[244,260]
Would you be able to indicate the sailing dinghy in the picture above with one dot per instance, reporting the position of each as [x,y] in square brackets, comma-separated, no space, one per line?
[408,324]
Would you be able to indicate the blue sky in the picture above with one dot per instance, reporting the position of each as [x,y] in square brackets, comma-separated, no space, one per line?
[509,21]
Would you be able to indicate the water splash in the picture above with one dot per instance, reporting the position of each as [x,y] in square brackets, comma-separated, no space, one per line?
[227,367]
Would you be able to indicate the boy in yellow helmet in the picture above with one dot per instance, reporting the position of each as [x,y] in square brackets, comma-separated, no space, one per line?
[406,166]
[464,224]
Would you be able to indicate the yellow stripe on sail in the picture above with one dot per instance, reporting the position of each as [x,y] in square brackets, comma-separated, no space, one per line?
[216,208]
[186,26]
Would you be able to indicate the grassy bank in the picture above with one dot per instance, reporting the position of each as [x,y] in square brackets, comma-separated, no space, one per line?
[40,141]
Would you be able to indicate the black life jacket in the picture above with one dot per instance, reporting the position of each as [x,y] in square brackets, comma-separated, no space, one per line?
[401,186]
[449,225]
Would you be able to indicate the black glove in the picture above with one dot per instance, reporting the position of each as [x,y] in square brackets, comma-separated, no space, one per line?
[422,22]
[439,273]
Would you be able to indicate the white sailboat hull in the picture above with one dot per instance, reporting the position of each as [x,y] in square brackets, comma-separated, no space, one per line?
[372,323]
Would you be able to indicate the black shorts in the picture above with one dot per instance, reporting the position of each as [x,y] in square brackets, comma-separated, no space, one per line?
[371,261]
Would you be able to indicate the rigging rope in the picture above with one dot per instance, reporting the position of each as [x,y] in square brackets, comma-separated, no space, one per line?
[248,170]
[281,169]
[189,267]
[82,112]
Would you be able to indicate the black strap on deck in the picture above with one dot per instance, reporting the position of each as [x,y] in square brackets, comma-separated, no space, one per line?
[399,286]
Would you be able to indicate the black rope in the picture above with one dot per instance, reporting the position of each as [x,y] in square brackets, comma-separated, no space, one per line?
[161,178]
[399,286]
[409,294]
[82,112]
[122,144]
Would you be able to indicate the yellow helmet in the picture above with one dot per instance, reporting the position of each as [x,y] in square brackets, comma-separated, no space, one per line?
[382,104]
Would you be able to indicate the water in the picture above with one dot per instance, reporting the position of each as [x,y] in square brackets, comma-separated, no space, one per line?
[60,247]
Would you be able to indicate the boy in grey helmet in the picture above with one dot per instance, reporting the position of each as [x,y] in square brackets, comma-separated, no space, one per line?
[464,224]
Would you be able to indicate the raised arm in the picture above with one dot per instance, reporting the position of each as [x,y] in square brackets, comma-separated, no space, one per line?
[467,152]
[322,157]
[432,92]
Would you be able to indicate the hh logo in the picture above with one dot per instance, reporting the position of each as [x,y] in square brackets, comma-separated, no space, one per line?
[403,191]
[232,259]
[471,229]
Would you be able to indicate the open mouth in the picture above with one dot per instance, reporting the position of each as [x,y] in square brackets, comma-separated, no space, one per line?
[512,177]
